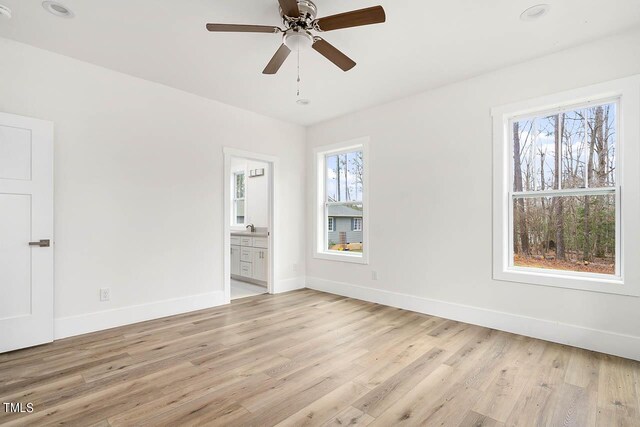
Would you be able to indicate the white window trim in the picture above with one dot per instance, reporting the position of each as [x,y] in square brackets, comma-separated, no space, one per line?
[320,222]
[331,228]
[235,199]
[627,281]
[355,221]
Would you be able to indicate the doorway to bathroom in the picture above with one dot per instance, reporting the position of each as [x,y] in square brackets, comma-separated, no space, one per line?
[248,224]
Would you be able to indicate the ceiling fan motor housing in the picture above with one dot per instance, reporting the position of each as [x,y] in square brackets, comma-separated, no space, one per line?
[307,9]
[308,12]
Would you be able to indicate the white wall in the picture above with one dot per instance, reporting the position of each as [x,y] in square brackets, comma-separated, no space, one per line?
[139,195]
[256,191]
[138,187]
[431,236]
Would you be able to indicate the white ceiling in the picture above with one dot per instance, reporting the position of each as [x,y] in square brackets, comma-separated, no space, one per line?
[423,44]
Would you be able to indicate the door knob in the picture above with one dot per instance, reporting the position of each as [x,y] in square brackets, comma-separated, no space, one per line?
[42,243]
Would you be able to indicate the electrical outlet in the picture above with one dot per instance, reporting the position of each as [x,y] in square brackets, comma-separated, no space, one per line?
[105,294]
[374,275]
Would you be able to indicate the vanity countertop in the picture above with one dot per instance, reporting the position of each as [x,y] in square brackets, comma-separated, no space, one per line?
[250,234]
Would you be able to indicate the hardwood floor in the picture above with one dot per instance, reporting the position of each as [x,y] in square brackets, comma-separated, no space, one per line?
[310,358]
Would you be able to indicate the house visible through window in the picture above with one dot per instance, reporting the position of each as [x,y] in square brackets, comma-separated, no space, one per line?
[238,198]
[341,186]
[563,200]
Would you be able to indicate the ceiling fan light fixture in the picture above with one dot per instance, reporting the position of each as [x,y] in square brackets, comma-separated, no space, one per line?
[295,40]
[535,12]
[57,9]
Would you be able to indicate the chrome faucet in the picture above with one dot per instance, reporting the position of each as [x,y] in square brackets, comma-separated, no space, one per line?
[252,227]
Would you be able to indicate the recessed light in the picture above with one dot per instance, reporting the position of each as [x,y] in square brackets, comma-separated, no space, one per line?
[535,12]
[5,12]
[303,101]
[57,9]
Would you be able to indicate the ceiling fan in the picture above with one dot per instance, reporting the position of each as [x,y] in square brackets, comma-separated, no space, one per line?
[299,18]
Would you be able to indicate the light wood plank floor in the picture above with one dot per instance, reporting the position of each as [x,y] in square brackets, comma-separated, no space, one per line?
[310,358]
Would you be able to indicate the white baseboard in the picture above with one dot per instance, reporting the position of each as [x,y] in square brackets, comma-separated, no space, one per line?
[578,336]
[287,285]
[101,320]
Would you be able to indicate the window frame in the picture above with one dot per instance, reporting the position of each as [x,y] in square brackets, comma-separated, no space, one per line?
[331,226]
[234,206]
[626,94]
[354,221]
[320,220]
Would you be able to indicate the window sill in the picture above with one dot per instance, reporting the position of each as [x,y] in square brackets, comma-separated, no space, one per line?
[342,257]
[559,279]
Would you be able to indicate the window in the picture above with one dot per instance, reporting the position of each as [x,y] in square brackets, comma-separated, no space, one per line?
[238,198]
[564,189]
[559,167]
[342,212]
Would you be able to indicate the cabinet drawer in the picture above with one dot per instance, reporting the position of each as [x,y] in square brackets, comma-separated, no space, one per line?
[235,240]
[246,241]
[260,242]
[246,269]
[245,254]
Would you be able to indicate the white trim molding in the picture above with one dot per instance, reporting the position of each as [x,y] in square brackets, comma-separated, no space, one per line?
[577,336]
[100,320]
[287,285]
[626,93]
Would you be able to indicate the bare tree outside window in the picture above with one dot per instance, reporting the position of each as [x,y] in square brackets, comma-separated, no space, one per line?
[564,187]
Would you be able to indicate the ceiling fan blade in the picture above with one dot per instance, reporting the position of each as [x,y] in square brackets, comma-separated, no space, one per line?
[278,59]
[356,18]
[240,28]
[290,8]
[332,54]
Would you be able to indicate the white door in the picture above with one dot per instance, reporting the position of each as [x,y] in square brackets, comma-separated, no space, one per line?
[26,232]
